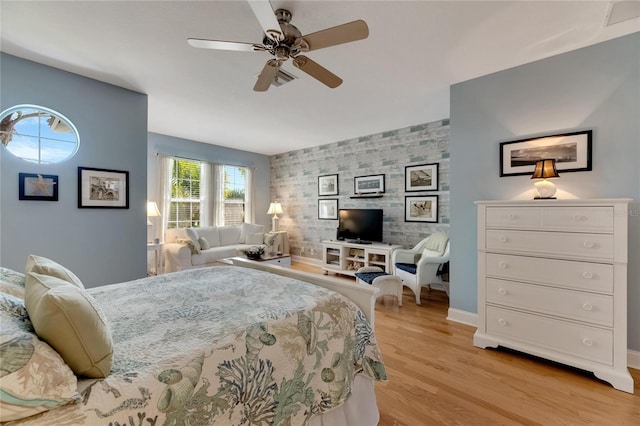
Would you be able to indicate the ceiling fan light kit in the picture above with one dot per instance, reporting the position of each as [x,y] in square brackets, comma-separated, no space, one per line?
[283,40]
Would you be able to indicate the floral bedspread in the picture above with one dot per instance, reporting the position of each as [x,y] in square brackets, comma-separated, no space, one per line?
[223,345]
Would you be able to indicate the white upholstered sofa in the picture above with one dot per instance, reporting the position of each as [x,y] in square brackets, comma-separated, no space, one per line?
[187,248]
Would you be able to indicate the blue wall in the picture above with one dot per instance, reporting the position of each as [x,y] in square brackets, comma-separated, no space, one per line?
[169,145]
[597,87]
[100,245]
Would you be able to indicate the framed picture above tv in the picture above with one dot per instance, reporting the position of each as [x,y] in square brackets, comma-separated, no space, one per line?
[421,208]
[372,184]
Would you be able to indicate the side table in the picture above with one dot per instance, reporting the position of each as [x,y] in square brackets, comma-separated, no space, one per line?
[157,258]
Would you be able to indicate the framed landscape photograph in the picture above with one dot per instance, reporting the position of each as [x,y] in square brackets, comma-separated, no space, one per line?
[421,208]
[37,187]
[102,188]
[572,152]
[328,209]
[327,185]
[423,177]
[371,184]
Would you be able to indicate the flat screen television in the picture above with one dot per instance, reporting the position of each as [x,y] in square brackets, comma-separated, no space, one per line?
[360,225]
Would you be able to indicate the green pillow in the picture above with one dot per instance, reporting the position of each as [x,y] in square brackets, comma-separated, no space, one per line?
[69,319]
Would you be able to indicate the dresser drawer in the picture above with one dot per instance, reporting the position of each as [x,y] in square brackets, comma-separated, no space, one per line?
[562,273]
[576,305]
[577,340]
[587,246]
[514,217]
[579,219]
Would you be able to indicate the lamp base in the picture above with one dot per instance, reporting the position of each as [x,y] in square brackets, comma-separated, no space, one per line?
[545,189]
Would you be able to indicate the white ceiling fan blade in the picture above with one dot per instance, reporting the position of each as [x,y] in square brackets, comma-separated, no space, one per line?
[345,33]
[225,45]
[267,18]
[267,75]
[317,71]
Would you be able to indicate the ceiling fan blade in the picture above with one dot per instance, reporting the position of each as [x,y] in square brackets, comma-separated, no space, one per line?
[267,75]
[267,18]
[317,71]
[345,33]
[225,45]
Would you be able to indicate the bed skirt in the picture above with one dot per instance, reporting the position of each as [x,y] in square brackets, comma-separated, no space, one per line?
[360,409]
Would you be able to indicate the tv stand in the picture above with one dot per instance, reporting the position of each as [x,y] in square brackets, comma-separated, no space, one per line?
[346,257]
[358,242]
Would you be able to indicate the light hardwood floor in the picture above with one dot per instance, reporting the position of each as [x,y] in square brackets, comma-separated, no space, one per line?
[437,377]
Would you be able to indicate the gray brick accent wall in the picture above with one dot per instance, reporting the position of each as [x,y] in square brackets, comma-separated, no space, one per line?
[294,182]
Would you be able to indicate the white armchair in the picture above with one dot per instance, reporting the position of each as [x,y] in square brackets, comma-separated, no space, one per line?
[418,267]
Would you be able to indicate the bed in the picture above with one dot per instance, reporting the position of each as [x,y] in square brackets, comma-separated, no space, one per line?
[228,345]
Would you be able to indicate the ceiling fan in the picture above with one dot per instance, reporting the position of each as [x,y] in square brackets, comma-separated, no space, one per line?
[283,40]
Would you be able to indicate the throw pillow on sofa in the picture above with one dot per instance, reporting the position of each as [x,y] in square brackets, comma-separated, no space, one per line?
[204,244]
[247,229]
[255,239]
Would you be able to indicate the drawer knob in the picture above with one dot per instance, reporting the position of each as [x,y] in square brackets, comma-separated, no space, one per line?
[502,322]
[587,307]
[502,239]
[587,342]
[502,265]
[502,292]
[588,244]
[588,275]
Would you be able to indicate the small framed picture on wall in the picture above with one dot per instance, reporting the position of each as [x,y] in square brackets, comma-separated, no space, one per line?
[421,208]
[37,187]
[423,177]
[327,185]
[328,209]
[102,188]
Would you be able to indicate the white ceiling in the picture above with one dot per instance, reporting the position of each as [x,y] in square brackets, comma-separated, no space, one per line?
[397,77]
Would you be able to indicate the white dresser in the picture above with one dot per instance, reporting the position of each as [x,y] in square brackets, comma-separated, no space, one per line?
[552,282]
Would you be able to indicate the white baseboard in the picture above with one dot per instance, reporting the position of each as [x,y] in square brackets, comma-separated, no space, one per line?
[469,318]
[462,317]
[633,359]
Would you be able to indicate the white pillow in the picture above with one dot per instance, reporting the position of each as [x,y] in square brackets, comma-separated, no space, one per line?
[249,228]
[256,238]
[204,244]
[194,237]
[44,266]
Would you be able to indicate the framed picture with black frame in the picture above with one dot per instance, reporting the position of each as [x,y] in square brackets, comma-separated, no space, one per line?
[421,208]
[103,188]
[572,152]
[371,184]
[37,187]
[328,209]
[327,185]
[422,177]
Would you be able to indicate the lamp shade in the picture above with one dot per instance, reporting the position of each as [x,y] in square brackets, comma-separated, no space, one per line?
[545,169]
[152,209]
[275,208]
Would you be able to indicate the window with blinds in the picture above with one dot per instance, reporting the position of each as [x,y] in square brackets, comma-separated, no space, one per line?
[184,209]
[234,194]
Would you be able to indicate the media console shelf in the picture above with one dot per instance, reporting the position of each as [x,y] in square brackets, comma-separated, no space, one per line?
[346,258]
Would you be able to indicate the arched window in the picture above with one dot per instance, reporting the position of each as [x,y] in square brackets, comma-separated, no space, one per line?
[38,134]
